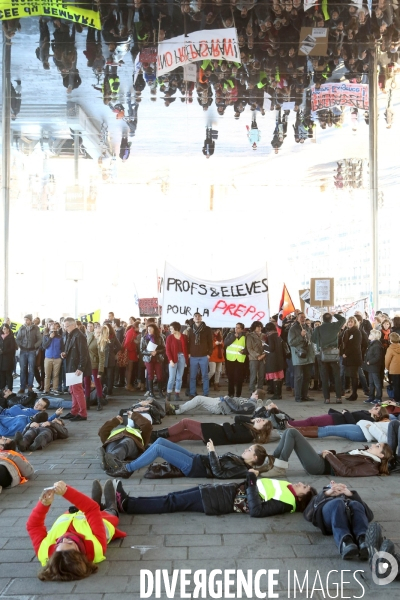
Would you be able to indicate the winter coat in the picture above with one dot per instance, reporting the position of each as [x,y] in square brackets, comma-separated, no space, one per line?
[296,342]
[172,348]
[29,338]
[160,350]
[110,352]
[141,423]
[375,432]
[326,335]
[350,418]
[392,359]
[205,347]
[94,351]
[352,465]
[374,357]
[77,353]
[313,512]
[227,466]
[254,345]
[274,360]
[8,347]
[16,464]
[351,344]
[58,430]
[130,344]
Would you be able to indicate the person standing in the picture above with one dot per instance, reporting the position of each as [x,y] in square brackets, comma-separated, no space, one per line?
[235,344]
[176,349]
[29,340]
[216,358]
[352,355]
[53,346]
[392,363]
[200,348]
[274,360]
[254,346]
[326,338]
[302,356]
[253,133]
[8,348]
[77,358]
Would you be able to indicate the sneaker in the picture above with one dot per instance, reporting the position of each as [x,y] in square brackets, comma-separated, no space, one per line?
[170,409]
[373,539]
[120,494]
[55,392]
[369,401]
[21,391]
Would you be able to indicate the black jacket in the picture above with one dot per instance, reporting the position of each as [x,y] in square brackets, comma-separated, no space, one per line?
[374,356]
[350,418]
[313,512]
[218,499]
[8,347]
[205,347]
[77,352]
[227,466]
[110,352]
[352,347]
[274,361]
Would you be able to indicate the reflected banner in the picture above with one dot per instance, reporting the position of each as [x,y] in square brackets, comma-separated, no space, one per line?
[221,303]
[213,44]
[18,9]
[340,94]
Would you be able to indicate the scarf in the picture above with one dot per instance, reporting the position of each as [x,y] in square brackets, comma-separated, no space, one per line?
[197,331]
[365,453]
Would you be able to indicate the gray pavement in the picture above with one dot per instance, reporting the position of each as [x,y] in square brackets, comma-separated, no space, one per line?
[189,540]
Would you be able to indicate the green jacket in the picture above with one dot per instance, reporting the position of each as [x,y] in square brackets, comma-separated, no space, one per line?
[296,341]
[326,335]
[96,356]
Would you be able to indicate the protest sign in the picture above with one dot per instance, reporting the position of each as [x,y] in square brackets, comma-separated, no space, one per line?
[221,303]
[340,94]
[322,291]
[93,317]
[313,41]
[215,44]
[148,307]
[18,9]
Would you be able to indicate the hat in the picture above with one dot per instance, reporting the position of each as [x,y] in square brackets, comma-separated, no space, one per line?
[30,317]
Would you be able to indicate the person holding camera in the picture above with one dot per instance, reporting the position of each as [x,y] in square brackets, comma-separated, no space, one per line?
[303,356]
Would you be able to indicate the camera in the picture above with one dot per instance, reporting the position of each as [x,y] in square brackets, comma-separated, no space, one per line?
[302,353]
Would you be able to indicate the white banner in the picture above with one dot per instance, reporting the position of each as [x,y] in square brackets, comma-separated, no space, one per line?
[348,310]
[221,303]
[212,44]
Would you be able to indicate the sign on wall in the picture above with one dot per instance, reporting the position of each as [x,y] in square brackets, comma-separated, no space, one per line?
[221,303]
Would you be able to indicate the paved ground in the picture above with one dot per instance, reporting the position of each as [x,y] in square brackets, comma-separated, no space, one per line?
[187,541]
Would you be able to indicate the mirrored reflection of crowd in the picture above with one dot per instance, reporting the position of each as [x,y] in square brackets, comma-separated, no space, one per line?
[270,68]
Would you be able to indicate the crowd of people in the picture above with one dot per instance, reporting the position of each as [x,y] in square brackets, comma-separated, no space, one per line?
[145,357]
[270,64]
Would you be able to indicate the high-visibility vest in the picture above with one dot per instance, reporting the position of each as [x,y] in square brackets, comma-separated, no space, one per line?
[233,351]
[81,526]
[9,460]
[131,430]
[272,489]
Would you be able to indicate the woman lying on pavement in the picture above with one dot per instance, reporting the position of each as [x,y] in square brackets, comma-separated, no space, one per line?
[227,466]
[78,539]
[356,463]
[364,431]
[341,512]
[243,431]
[256,497]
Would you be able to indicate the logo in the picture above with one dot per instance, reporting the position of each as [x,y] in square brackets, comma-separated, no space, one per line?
[384,568]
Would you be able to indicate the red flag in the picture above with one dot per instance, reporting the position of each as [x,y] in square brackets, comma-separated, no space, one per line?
[285,308]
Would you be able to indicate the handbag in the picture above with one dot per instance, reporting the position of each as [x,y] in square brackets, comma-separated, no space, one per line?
[122,358]
[330,353]
[286,350]
[162,471]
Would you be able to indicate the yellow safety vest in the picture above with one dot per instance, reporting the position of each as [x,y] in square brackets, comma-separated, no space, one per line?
[272,489]
[127,428]
[233,351]
[81,526]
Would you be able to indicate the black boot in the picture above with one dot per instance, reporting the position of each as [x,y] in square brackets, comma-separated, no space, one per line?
[99,404]
[87,403]
[277,391]
[40,442]
[151,389]
[21,442]
[160,433]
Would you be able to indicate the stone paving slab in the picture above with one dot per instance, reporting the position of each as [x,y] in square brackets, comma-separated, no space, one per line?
[183,541]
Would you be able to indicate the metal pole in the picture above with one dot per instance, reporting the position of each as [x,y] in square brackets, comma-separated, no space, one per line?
[373,172]
[76,298]
[5,165]
[76,155]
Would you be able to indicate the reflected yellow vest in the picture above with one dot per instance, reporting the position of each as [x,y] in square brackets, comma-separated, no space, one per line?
[272,489]
[127,428]
[233,351]
[81,526]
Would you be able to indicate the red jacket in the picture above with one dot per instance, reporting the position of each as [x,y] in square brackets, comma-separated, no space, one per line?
[37,530]
[172,348]
[129,344]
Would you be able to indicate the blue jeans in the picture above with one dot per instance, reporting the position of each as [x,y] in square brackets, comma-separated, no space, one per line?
[350,432]
[58,403]
[175,374]
[289,379]
[172,453]
[363,380]
[195,361]
[174,502]
[337,522]
[27,360]
[375,386]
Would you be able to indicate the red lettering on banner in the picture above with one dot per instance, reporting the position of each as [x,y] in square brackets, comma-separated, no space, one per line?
[168,58]
[193,52]
[228,48]
[238,310]
[215,48]
[182,54]
[204,49]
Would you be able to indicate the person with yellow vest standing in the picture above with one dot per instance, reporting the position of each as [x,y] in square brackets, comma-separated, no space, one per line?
[125,440]
[235,344]
[78,539]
